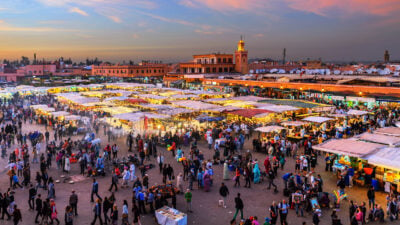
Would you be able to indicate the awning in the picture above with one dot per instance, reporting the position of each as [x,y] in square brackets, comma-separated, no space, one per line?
[350,147]
[317,119]
[387,157]
[380,138]
[269,129]
[249,113]
[393,131]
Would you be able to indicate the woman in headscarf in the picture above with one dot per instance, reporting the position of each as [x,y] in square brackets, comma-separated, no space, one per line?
[207,181]
[257,173]
[226,171]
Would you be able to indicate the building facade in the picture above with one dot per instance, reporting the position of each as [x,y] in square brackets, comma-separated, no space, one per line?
[211,63]
[143,70]
[217,63]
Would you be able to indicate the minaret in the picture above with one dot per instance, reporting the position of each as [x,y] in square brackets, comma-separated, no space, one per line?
[386,57]
[241,63]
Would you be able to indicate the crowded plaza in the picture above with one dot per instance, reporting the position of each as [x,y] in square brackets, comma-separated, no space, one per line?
[135,153]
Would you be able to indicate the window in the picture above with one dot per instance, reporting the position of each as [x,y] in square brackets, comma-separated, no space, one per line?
[34,72]
[137,71]
[225,69]
[142,71]
[230,60]
[214,70]
[192,70]
[224,60]
[207,70]
[219,60]
[220,70]
[155,71]
[198,60]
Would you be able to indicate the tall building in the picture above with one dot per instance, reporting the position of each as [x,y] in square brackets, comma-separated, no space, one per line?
[210,63]
[386,57]
[241,63]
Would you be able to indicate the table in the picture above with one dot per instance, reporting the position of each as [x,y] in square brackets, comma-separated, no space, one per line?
[170,216]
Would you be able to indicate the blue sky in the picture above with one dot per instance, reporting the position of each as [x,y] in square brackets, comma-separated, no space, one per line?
[173,30]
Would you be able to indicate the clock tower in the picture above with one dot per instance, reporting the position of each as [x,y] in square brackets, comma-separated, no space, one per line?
[241,63]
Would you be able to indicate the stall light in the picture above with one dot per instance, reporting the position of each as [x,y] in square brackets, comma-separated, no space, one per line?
[159,126]
[301,89]
[230,84]
[246,85]
[262,86]
[281,87]
[360,93]
[322,90]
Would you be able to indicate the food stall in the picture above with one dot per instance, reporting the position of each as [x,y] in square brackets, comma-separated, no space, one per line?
[170,216]
[388,167]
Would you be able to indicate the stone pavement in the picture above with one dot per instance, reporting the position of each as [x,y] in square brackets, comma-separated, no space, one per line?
[257,199]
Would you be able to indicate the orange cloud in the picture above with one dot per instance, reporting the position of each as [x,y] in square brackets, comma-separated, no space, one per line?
[347,7]
[227,5]
[319,7]
[78,10]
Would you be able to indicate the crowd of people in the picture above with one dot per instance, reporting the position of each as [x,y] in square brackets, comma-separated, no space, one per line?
[302,184]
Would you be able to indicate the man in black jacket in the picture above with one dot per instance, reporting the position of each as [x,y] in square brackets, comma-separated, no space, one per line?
[224,192]
[39,205]
[371,197]
[73,202]
[32,195]
[239,207]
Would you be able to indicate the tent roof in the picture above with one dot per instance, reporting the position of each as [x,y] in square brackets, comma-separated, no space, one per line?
[356,112]
[393,131]
[294,123]
[350,147]
[380,138]
[386,157]
[269,129]
[249,113]
[317,119]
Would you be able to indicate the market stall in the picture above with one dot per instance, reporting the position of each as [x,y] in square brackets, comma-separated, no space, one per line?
[170,216]
[380,139]
[392,131]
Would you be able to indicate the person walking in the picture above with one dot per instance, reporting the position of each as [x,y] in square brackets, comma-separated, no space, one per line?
[54,212]
[283,211]
[136,215]
[114,215]
[17,216]
[239,207]
[188,198]
[73,202]
[224,192]
[32,196]
[95,190]
[125,213]
[371,196]
[273,212]
[97,212]
[39,208]
[114,181]
[68,217]
[106,206]
[271,177]
[237,177]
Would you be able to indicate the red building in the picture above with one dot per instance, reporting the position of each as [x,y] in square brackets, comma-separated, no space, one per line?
[142,70]
[217,63]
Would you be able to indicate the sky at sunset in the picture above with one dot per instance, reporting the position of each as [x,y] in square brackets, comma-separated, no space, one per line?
[173,30]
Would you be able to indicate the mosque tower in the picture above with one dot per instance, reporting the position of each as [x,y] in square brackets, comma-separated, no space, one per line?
[241,63]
